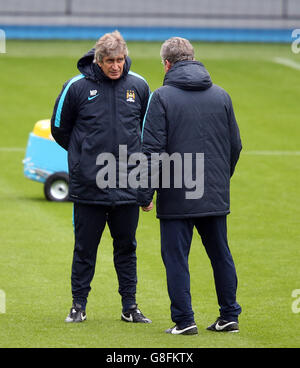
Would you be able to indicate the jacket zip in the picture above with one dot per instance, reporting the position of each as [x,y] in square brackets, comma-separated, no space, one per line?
[113,106]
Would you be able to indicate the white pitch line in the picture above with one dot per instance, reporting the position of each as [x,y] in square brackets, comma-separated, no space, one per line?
[272,153]
[12,149]
[287,62]
[253,153]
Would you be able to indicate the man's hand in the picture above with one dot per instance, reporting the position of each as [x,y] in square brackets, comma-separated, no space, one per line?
[148,208]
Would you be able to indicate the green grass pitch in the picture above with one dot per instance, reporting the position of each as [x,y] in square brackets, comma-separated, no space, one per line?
[36,236]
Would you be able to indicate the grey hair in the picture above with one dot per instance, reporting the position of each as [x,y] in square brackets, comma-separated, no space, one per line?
[176,49]
[110,44]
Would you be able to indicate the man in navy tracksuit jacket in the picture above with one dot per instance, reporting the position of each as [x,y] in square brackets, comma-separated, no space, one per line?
[189,114]
[97,111]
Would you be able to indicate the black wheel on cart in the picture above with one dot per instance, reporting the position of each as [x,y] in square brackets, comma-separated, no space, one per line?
[56,187]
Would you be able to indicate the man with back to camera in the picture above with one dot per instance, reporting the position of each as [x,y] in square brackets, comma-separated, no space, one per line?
[189,114]
[97,111]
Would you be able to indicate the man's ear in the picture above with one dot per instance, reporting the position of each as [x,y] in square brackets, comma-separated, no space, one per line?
[168,66]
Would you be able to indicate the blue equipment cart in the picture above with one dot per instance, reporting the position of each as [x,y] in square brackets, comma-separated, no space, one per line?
[46,162]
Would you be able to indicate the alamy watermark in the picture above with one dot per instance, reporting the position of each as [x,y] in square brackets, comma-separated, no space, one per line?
[296,302]
[158,170]
[2,42]
[296,42]
[2,302]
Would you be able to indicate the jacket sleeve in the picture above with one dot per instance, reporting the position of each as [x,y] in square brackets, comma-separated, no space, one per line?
[63,117]
[154,140]
[235,139]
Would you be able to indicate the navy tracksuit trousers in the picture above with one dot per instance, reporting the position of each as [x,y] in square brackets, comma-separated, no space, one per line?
[176,238]
[89,223]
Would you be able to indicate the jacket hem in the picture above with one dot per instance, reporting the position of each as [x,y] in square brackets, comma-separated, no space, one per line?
[191,215]
[103,203]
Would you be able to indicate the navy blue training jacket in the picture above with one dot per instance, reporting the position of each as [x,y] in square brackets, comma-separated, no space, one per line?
[189,114]
[92,115]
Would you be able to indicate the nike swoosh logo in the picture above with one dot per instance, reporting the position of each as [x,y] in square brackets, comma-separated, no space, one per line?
[220,328]
[129,319]
[91,98]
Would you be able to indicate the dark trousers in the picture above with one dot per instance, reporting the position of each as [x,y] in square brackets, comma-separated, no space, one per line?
[176,238]
[89,223]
